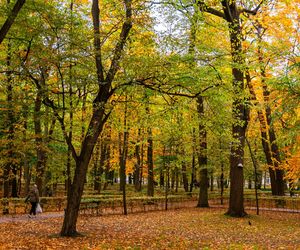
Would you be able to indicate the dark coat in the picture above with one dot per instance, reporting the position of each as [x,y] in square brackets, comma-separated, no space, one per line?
[33,195]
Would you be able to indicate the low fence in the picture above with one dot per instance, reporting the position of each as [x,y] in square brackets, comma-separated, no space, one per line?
[276,203]
[114,205]
[92,204]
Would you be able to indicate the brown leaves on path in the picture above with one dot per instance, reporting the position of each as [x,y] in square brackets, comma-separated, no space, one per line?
[191,228]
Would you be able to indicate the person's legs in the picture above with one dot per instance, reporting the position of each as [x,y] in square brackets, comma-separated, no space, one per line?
[33,208]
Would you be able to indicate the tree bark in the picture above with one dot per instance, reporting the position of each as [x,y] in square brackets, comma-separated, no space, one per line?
[82,162]
[40,150]
[10,19]
[231,14]
[193,179]
[268,141]
[240,112]
[97,166]
[137,168]
[150,187]
[123,151]
[202,156]
[98,118]
[184,174]
[277,173]
[10,166]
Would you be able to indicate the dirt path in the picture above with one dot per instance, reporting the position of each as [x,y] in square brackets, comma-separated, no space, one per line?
[191,204]
[24,217]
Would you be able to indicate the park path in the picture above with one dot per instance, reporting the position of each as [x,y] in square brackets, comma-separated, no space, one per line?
[24,217]
[49,215]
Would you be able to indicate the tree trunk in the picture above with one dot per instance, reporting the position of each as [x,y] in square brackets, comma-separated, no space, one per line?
[276,173]
[10,165]
[222,182]
[109,174]
[40,151]
[203,195]
[82,162]
[150,187]
[193,162]
[97,166]
[202,156]
[137,169]
[10,19]
[184,176]
[99,117]
[69,162]
[123,151]
[240,113]
[270,149]
[212,181]
[275,156]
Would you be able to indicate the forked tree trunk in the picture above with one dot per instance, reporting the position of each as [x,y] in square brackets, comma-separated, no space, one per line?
[98,119]
[82,162]
[275,161]
[270,148]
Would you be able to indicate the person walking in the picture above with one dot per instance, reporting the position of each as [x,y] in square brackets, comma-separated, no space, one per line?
[33,198]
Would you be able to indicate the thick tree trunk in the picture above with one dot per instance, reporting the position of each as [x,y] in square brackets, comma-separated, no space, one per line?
[240,115]
[204,180]
[82,162]
[203,195]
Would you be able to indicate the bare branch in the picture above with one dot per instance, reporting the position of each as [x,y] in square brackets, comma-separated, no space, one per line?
[48,102]
[254,11]
[148,83]
[10,19]
[204,8]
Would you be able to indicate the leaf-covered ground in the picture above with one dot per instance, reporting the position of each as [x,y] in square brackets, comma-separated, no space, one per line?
[190,228]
